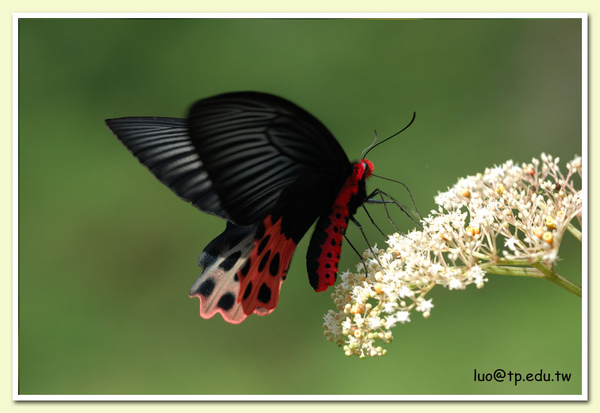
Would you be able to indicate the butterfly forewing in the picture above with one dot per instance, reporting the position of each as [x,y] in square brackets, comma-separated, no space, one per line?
[254,146]
[164,147]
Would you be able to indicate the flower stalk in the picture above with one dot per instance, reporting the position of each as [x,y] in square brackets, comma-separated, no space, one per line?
[562,282]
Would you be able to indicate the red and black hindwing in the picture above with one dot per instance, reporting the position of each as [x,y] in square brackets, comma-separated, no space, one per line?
[325,245]
[267,167]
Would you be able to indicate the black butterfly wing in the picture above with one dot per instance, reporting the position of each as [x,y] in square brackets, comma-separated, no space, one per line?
[163,145]
[256,145]
[259,161]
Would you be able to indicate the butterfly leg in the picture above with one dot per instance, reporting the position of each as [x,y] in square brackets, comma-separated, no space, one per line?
[383,202]
[414,205]
[365,238]
[373,221]
[357,253]
[385,198]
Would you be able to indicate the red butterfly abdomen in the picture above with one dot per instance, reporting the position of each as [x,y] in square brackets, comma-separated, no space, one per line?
[326,243]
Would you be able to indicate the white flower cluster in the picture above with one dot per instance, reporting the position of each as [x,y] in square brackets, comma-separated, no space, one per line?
[508,216]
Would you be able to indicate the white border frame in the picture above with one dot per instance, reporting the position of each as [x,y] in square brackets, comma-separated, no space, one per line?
[15,209]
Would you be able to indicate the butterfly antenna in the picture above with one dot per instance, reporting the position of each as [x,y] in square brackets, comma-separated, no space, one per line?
[374,144]
[368,148]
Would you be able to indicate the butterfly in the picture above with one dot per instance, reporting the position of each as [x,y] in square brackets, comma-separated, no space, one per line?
[270,169]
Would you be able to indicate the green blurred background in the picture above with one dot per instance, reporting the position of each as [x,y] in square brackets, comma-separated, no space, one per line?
[107,254]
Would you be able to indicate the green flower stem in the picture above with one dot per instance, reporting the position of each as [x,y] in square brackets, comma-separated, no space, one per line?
[576,233]
[513,270]
[519,268]
[558,279]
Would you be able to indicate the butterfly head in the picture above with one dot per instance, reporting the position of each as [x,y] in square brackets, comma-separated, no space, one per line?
[363,169]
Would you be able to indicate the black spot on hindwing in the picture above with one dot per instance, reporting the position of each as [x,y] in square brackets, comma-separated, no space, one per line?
[263,244]
[264,294]
[248,290]
[263,261]
[274,266]
[207,287]
[228,263]
[245,268]
[226,301]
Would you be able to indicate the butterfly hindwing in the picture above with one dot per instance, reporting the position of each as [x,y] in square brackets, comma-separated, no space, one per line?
[218,285]
[324,250]
[323,254]
[242,271]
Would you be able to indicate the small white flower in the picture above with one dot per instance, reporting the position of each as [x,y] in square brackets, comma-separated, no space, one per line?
[494,174]
[511,243]
[436,268]
[424,306]
[456,284]
[390,321]
[390,307]
[374,323]
[483,216]
[405,291]
[478,276]
[403,316]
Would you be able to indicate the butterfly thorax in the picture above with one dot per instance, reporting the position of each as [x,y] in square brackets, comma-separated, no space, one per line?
[326,244]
